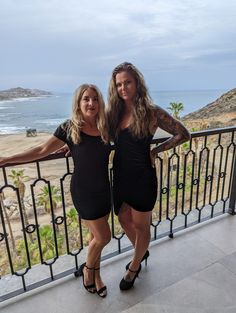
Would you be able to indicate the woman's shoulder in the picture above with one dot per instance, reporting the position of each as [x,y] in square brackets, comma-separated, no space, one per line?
[66,124]
[159,114]
[153,119]
[158,117]
[62,130]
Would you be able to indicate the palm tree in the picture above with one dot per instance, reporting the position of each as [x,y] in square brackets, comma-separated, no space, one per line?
[72,217]
[18,178]
[44,198]
[74,234]
[8,220]
[47,242]
[176,108]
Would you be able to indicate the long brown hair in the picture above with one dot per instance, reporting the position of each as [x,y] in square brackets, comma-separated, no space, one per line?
[76,121]
[143,104]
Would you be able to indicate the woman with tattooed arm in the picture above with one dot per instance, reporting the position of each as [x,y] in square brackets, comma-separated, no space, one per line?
[133,119]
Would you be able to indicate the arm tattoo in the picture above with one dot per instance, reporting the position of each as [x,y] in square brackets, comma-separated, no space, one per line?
[172,126]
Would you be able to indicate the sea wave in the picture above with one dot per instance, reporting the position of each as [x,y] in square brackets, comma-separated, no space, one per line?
[50,122]
[46,113]
[31,99]
[6,108]
[10,113]
[11,130]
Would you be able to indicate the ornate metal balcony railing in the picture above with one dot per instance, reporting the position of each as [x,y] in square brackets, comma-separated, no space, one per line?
[42,239]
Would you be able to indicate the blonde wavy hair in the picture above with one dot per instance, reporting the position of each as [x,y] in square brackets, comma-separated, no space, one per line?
[143,105]
[76,122]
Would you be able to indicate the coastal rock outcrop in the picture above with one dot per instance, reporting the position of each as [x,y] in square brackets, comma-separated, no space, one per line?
[19,92]
[220,113]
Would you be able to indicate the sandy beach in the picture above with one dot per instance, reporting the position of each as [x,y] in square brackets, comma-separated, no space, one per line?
[14,143]
[51,170]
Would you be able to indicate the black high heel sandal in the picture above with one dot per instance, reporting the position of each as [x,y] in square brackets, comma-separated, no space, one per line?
[102,292]
[145,257]
[125,284]
[90,288]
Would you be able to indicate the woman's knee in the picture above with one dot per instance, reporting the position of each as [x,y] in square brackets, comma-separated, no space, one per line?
[103,239]
[141,226]
[107,238]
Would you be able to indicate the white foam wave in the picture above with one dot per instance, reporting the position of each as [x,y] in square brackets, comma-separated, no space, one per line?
[7,114]
[50,122]
[31,99]
[11,130]
[6,108]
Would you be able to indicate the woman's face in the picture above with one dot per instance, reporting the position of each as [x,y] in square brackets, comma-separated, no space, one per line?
[89,104]
[126,86]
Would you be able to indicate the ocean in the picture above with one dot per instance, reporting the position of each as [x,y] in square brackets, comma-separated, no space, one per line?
[46,113]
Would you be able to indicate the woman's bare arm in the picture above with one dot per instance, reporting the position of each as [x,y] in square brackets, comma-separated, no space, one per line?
[38,152]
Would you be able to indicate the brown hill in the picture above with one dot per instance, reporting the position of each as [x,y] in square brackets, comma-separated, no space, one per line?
[220,113]
[19,92]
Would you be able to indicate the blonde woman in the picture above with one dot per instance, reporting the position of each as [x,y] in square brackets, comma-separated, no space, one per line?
[133,120]
[86,136]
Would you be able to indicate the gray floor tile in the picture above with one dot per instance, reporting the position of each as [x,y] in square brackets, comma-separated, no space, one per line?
[210,290]
[194,273]
[223,240]
[229,261]
[149,308]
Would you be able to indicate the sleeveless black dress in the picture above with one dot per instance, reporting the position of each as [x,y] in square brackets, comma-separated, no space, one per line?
[90,188]
[134,178]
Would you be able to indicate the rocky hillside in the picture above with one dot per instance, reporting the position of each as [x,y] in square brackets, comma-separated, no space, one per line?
[19,92]
[220,113]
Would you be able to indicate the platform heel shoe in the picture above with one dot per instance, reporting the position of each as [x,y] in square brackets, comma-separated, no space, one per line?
[144,258]
[125,284]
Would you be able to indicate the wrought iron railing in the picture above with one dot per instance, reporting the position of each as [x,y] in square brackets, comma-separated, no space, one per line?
[42,239]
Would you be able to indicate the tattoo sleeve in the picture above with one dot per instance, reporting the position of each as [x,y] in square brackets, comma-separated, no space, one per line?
[174,127]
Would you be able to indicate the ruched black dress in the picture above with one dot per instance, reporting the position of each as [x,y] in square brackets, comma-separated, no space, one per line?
[134,178]
[90,188]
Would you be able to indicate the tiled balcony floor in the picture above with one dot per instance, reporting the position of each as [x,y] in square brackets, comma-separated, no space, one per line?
[194,273]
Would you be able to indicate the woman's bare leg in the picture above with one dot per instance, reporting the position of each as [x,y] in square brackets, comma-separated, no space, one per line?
[137,225]
[98,280]
[126,222]
[100,237]
[141,222]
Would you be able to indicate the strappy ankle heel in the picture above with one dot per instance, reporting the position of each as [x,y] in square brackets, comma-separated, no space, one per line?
[126,285]
[102,292]
[144,258]
[90,288]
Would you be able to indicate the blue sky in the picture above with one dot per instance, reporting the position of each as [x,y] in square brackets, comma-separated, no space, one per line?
[177,44]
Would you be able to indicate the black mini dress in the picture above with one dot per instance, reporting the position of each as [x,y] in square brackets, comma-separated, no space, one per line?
[90,187]
[134,178]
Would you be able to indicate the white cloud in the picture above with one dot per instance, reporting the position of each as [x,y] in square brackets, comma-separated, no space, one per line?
[66,37]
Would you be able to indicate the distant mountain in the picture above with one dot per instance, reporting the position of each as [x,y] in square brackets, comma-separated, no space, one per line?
[19,92]
[220,113]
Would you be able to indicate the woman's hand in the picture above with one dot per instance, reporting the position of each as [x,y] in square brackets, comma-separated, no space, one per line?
[3,161]
[65,149]
[153,155]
